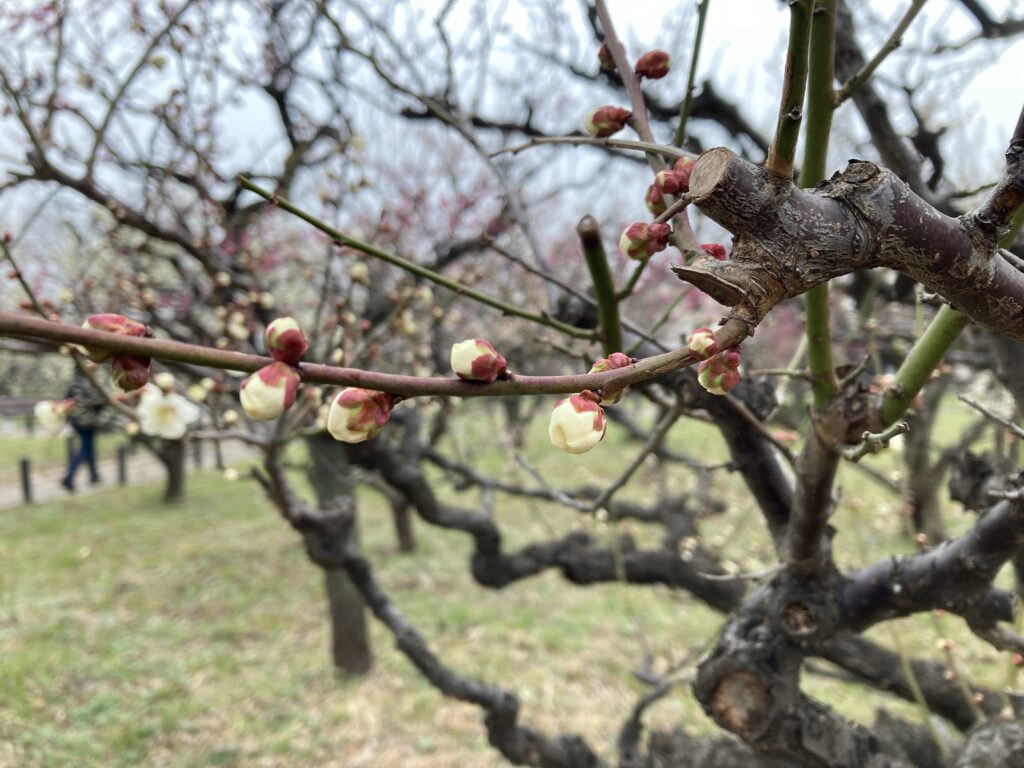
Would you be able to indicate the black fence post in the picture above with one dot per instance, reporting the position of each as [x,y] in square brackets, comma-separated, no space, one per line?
[26,480]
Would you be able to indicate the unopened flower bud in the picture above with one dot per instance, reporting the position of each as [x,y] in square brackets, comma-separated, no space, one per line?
[577,423]
[714,250]
[604,57]
[270,391]
[285,340]
[357,415]
[477,360]
[653,65]
[654,200]
[671,182]
[606,121]
[230,417]
[360,273]
[613,362]
[110,323]
[702,343]
[720,374]
[223,279]
[640,241]
[129,372]
[684,167]
[196,393]
[164,380]
[131,428]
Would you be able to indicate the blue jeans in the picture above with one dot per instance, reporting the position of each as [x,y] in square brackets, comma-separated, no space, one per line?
[86,452]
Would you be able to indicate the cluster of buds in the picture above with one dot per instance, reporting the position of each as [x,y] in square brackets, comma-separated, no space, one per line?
[613,362]
[577,422]
[128,371]
[606,121]
[640,240]
[271,391]
[653,65]
[477,360]
[671,182]
[720,374]
[357,415]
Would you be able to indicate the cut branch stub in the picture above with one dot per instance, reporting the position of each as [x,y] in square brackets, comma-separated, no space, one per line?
[788,240]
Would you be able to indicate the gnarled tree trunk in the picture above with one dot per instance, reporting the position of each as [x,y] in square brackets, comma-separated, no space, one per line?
[330,476]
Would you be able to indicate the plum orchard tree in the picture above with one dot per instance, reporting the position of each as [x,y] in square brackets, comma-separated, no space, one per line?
[792,237]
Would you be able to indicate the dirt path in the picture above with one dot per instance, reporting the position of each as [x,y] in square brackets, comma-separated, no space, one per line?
[142,468]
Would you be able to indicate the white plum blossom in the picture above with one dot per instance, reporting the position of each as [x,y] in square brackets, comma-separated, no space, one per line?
[51,414]
[165,415]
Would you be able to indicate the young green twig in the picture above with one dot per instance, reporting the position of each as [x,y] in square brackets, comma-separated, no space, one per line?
[684,112]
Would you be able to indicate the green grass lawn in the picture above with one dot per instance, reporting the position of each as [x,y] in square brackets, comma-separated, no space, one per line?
[195,635]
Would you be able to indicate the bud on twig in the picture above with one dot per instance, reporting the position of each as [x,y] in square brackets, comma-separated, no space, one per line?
[110,323]
[640,241]
[702,343]
[715,251]
[655,202]
[606,121]
[720,374]
[653,65]
[604,57]
[577,423]
[270,391]
[477,360]
[285,340]
[614,361]
[129,372]
[357,415]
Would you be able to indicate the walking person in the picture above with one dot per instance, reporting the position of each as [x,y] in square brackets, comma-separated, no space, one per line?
[85,417]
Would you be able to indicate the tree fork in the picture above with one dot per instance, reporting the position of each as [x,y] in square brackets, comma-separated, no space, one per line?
[789,240]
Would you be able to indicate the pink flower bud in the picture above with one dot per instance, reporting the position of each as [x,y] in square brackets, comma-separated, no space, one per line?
[604,57]
[640,241]
[129,372]
[655,202]
[110,323]
[476,360]
[614,361]
[720,374]
[357,415]
[606,121]
[633,242]
[653,65]
[671,182]
[715,251]
[577,423]
[285,340]
[657,237]
[270,391]
[702,343]
[683,169]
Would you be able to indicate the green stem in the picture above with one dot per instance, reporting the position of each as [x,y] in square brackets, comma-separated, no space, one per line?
[787,129]
[604,288]
[919,364]
[341,238]
[820,99]
[684,113]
